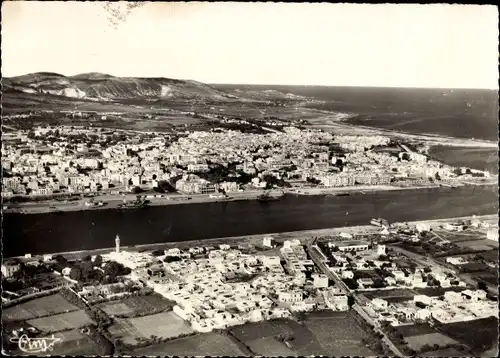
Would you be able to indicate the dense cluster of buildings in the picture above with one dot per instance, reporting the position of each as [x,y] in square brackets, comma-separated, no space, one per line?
[74,160]
[372,268]
[453,306]
[215,288]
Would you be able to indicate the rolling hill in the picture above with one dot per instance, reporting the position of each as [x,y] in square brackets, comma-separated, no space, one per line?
[103,87]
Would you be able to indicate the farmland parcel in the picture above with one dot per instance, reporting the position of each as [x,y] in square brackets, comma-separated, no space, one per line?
[39,307]
[162,325]
[208,344]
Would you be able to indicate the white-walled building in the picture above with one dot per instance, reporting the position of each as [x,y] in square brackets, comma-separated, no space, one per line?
[9,269]
[320,280]
[290,296]
[268,242]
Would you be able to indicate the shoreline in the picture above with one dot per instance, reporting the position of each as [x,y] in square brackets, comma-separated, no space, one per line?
[303,235]
[114,201]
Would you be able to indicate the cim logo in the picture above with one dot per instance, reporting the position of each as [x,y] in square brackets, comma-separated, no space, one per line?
[36,345]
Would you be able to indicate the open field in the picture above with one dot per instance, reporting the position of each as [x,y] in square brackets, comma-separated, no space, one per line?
[304,342]
[456,237]
[487,276]
[136,305]
[162,325]
[339,335]
[270,347]
[208,344]
[476,158]
[448,352]
[415,329]
[488,244]
[417,342]
[73,343]
[479,334]
[390,293]
[436,291]
[490,256]
[39,307]
[61,322]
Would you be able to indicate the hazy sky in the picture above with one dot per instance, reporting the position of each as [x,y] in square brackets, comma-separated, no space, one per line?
[260,43]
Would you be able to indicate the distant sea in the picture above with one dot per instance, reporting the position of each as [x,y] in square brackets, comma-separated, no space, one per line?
[462,113]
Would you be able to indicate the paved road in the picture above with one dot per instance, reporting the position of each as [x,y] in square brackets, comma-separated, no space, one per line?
[320,262]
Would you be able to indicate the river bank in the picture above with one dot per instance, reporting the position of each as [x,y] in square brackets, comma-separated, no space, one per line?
[117,201]
[303,235]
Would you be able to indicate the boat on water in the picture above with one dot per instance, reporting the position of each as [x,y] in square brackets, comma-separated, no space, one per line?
[343,194]
[379,222]
[135,205]
[267,197]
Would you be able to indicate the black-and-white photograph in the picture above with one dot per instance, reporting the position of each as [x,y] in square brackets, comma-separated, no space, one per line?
[249,179]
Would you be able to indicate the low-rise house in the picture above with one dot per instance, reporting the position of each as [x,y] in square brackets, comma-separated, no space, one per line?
[423,314]
[268,242]
[352,245]
[365,282]
[379,304]
[320,280]
[347,274]
[290,296]
[456,260]
[391,281]
[454,227]
[453,297]
[398,275]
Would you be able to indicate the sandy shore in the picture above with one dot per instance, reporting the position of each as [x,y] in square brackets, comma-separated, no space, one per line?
[304,236]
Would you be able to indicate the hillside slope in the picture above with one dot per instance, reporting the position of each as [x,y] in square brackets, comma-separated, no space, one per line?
[102,87]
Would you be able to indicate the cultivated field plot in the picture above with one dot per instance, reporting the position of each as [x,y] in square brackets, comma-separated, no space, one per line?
[270,347]
[487,276]
[73,343]
[490,256]
[254,331]
[436,291]
[162,325]
[449,352]
[207,344]
[304,342]
[39,307]
[415,329]
[136,305]
[339,335]
[61,322]
[417,342]
[479,334]
[479,245]
[389,293]
[456,237]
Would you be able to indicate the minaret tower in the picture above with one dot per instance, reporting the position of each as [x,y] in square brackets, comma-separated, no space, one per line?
[117,244]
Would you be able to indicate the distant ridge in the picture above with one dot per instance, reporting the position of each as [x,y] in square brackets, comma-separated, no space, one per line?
[101,86]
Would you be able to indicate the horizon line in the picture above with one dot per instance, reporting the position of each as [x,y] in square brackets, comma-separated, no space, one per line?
[257,84]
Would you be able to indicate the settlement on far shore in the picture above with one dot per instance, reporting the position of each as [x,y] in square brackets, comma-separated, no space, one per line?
[208,166]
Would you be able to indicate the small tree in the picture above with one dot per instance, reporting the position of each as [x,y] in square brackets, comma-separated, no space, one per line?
[76,273]
[98,261]
[137,190]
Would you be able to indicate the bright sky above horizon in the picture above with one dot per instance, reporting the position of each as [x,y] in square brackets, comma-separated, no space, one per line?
[448,46]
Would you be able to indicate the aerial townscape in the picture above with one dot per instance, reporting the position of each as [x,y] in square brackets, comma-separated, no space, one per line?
[151,216]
